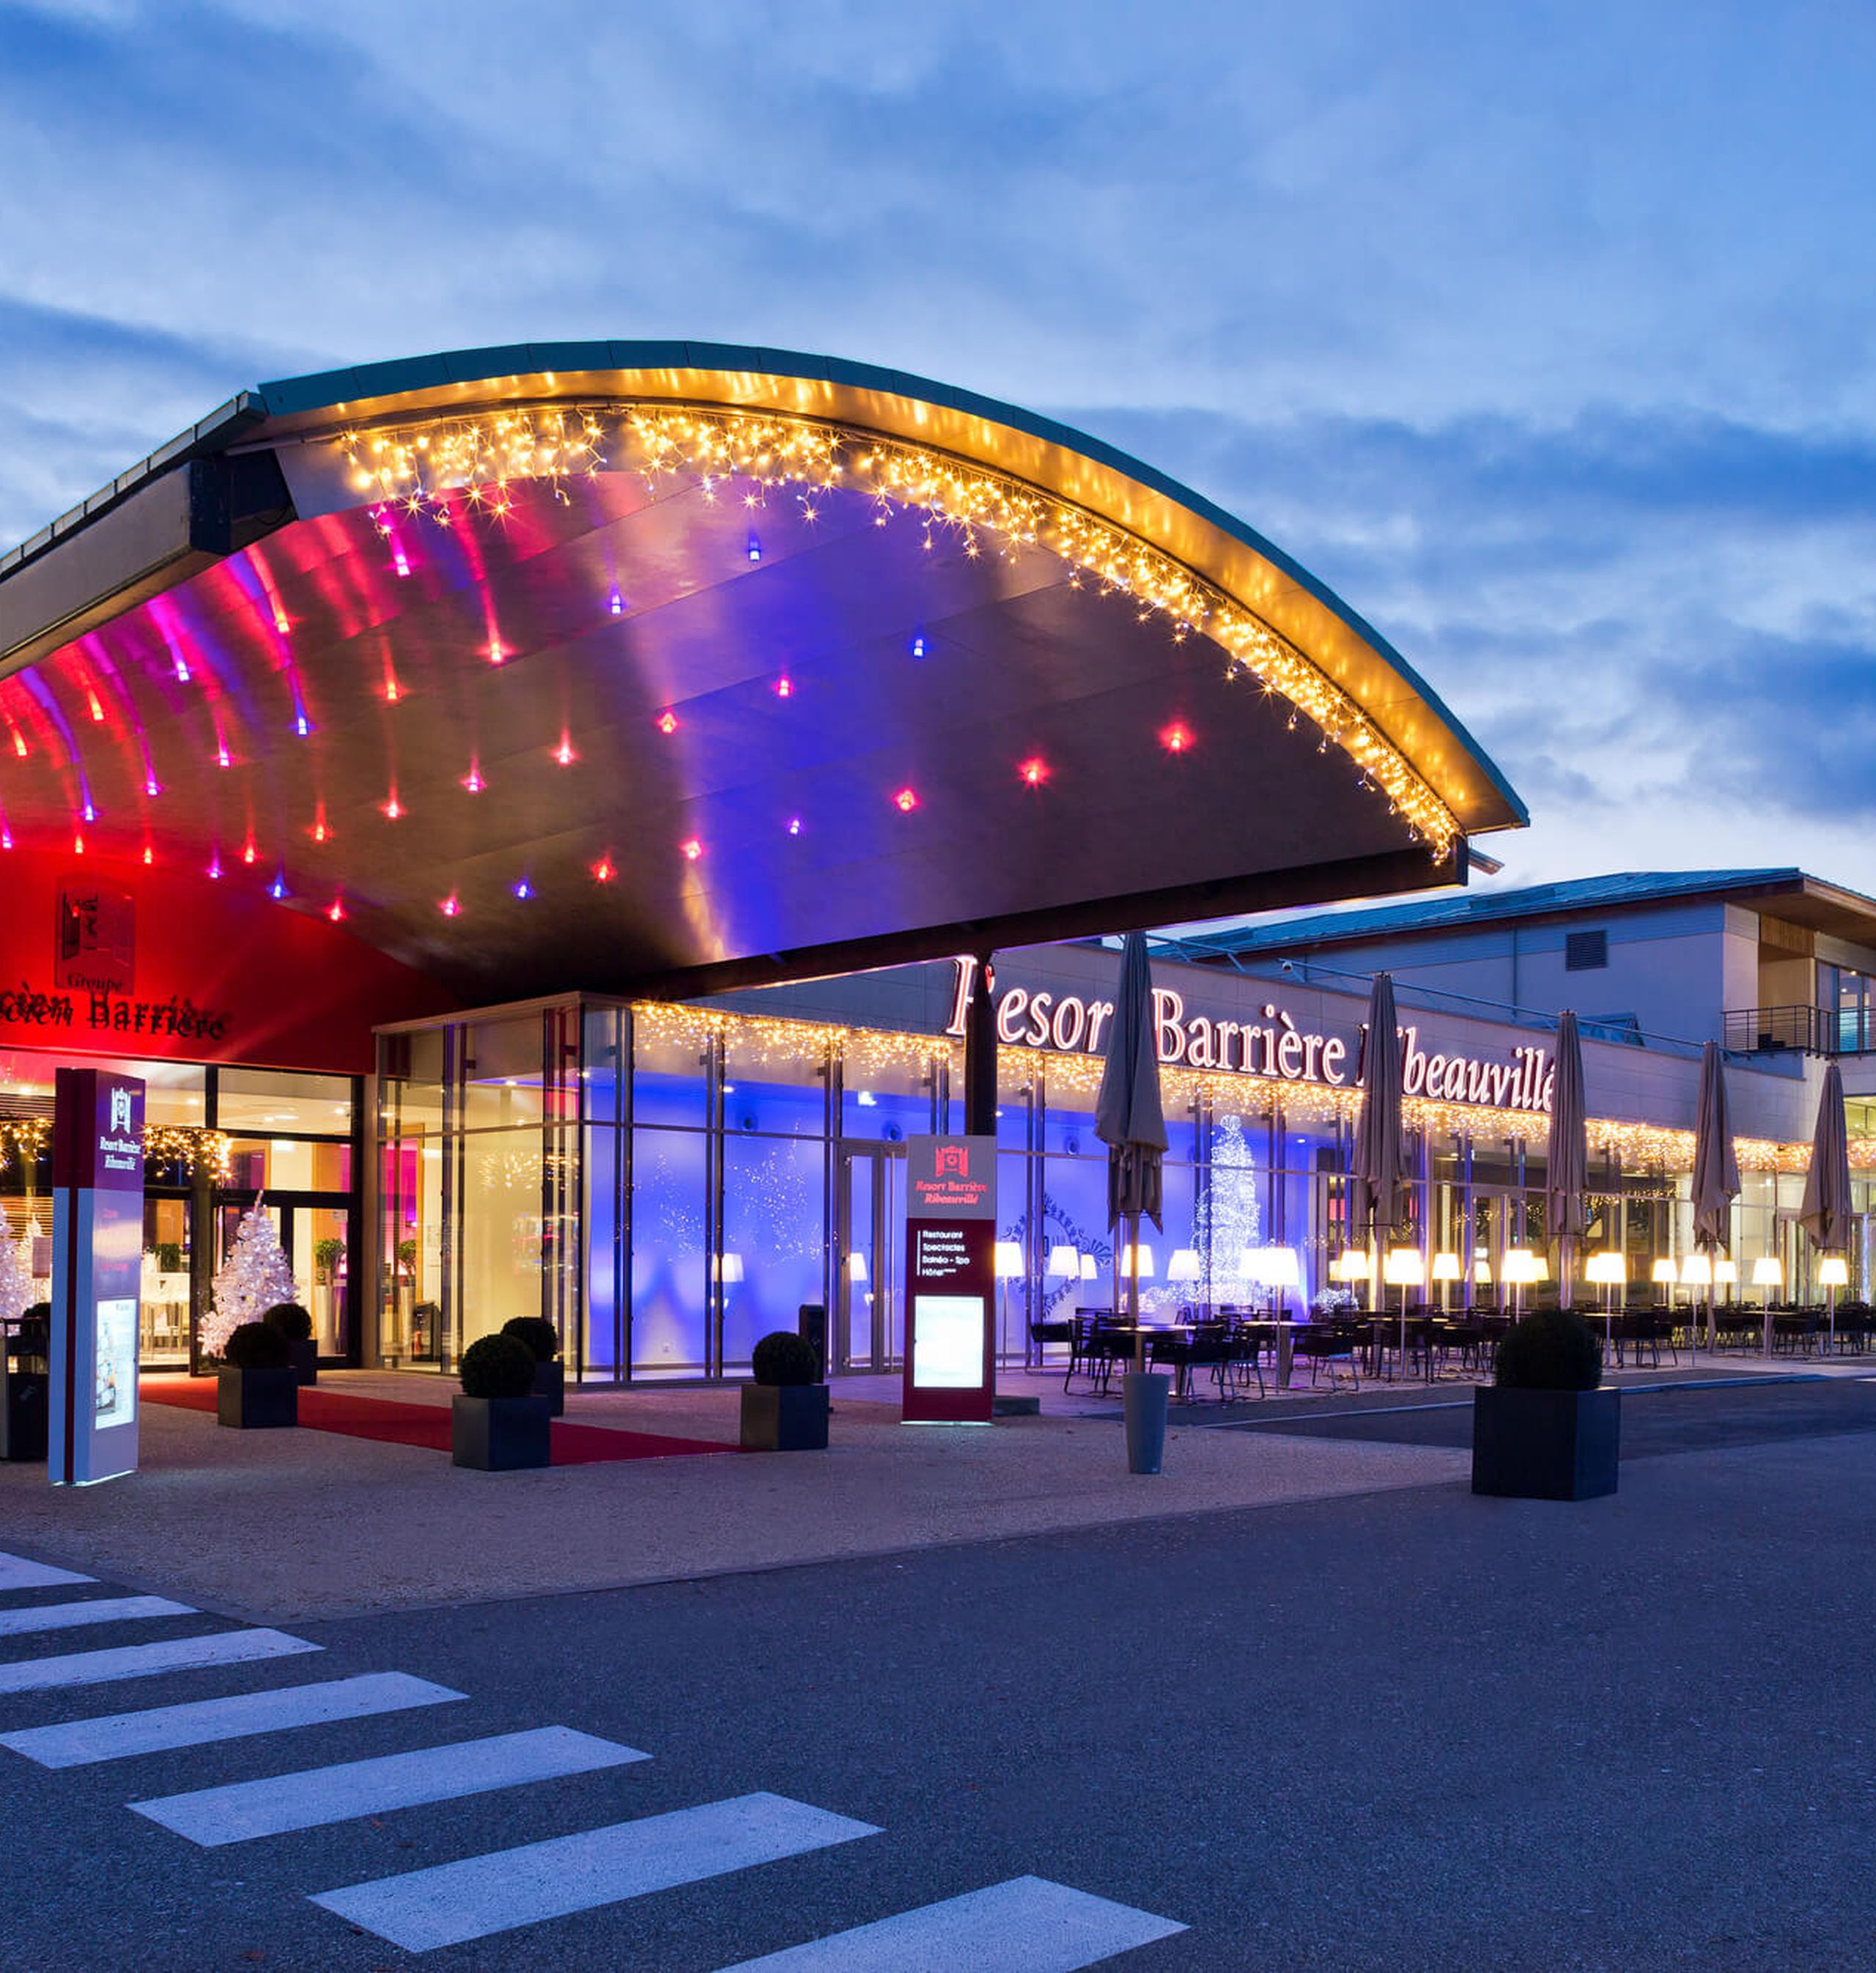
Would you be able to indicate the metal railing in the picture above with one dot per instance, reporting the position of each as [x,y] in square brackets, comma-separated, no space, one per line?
[1769,1030]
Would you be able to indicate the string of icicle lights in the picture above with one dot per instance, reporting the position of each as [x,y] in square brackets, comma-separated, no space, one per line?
[415,465]
[754,1042]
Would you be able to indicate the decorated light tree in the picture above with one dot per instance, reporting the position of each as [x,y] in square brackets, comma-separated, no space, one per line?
[17,1289]
[254,1277]
[1227,1218]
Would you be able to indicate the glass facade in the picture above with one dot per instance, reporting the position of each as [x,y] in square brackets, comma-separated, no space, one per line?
[218,1141]
[667,1183]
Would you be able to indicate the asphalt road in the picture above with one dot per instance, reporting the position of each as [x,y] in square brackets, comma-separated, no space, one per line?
[1407,1730]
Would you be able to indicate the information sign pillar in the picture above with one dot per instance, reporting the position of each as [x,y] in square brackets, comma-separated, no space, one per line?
[950,1244]
[97,1254]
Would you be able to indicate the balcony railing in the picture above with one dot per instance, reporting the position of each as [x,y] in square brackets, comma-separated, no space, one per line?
[1805,1030]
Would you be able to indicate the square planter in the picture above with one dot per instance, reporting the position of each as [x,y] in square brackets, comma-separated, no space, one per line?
[551,1383]
[500,1434]
[1545,1445]
[252,1400]
[305,1361]
[784,1417]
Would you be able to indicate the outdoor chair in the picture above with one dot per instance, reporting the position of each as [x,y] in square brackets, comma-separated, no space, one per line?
[1330,1342]
[1243,1353]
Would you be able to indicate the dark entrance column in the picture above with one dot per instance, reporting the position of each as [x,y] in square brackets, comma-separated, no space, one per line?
[980,1053]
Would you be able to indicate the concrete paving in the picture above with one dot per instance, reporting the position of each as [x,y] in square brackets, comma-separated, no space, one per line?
[1412,1729]
[276,1525]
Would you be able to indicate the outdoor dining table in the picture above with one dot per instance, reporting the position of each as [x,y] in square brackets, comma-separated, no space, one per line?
[1286,1328]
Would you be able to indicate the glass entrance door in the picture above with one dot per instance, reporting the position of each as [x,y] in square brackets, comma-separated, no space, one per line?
[315,1235]
[870,1325]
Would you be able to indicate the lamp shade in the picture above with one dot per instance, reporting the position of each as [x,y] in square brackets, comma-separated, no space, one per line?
[1607,1270]
[730,1269]
[1664,1275]
[1090,1268]
[856,1267]
[1405,1267]
[1278,1266]
[1519,1268]
[1697,1271]
[1833,1272]
[1183,1265]
[1447,1267]
[1725,1272]
[1768,1272]
[1008,1260]
[1064,1264]
[1142,1265]
[1352,1265]
[1481,1272]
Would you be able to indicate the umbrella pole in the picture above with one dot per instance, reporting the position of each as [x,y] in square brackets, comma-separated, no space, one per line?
[1133,1290]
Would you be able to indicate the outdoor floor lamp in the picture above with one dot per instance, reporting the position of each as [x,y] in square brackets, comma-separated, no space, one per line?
[1768,1273]
[1446,1270]
[1607,1272]
[1518,1269]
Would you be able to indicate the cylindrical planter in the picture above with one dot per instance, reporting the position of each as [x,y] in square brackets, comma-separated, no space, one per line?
[1144,1393]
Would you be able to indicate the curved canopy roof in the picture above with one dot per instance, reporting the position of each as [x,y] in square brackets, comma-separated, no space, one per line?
[626,665]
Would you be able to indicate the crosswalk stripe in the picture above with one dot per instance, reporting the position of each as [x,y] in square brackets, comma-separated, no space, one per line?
[219,1648]
[115,1736]
[452,1903]
[1026,1925]
[243,1810]
[16,1572]
[100,1610]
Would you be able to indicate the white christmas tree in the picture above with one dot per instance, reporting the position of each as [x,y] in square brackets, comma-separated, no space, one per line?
[1227,1218]
[17,1288]
[254,1277]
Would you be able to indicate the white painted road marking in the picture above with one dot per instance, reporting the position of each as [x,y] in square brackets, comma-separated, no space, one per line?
[1026,1925]
[220,1647]
[243,1810]
[452,1903]
[118,1734]
[100,1610]
[16,1572]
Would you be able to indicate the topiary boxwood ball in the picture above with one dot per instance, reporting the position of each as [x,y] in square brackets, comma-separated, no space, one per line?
[783,1357]
[255,1345]
[538,1333]
[498,1366]
[291,1321]
[1554,1349]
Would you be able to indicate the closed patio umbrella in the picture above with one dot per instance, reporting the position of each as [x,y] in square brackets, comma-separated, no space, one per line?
[1380,1165]
[1716,1167]
[1128,1116]
[1566,1162]
[1825,1212]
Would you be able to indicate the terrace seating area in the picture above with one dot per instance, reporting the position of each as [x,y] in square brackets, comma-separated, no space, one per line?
[1225,1356]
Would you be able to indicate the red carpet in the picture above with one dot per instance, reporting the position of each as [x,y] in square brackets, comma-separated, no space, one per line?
[398,1424]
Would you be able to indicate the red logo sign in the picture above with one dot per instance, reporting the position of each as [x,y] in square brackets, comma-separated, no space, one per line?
[95,945]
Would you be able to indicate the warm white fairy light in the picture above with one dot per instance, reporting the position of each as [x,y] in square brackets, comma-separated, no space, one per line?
[416,467]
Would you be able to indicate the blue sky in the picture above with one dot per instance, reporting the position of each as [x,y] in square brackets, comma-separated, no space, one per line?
[1543,334]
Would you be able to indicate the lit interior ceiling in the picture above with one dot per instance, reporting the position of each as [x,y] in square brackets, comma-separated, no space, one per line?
[705,676]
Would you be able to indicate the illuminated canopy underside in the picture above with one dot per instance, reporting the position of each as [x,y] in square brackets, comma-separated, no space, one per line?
[624,691]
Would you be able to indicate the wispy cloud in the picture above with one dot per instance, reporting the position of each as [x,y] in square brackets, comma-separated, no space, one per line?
[1542,334]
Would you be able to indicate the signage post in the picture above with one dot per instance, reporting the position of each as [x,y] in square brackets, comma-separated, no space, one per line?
[950,1244]
[97,1250]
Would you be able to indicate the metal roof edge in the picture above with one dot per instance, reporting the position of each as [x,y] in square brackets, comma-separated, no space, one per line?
[321,390]
[240,413]
[1476,909]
